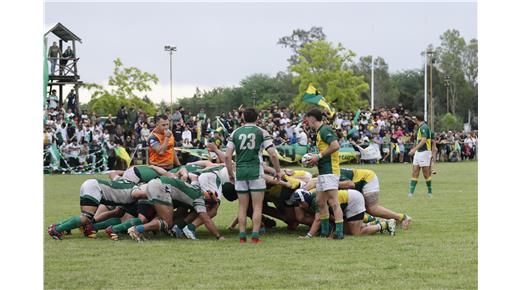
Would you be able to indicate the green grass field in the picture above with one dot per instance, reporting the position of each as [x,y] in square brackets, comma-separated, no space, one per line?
[438,251]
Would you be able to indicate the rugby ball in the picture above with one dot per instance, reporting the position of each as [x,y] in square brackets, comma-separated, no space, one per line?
[306,159]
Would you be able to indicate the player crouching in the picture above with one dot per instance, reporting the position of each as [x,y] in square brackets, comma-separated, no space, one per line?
[94,192]
[353,206]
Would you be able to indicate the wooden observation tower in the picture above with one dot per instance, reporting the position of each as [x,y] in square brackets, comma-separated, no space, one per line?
[67,73]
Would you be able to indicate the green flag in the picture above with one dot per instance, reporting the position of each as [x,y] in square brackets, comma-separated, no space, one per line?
[55,156]
[313,96]
[356,117]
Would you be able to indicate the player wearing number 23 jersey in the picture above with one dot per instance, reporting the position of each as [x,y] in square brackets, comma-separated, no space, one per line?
[249,141]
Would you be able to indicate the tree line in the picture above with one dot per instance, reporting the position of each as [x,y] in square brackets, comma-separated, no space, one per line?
[340,75]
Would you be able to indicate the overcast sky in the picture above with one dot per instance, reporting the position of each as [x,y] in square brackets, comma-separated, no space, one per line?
[221,43]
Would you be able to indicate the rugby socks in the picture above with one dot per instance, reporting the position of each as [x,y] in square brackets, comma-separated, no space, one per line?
[429,185]
[242,236]
[192,227]
[123,227]
[139,229]
[383,225]
[324,225]
[367,218]
[105,224]
[71,223]
[255,237]
[413,183]
[339,229]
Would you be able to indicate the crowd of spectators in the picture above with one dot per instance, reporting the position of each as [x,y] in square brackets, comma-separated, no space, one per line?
[79,136]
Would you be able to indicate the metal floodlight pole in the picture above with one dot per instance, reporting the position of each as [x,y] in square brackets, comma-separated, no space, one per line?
[372,85]
[431,114]
[171,49]
[254,98]
[426,86]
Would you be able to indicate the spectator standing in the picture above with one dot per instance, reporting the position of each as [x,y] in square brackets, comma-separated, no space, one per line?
[177,117]
[177,134]
[53,56]
[110,125]
[145,132]
[302,137]
[71,100]
[201,116]
[53,100]
[121,116]
[186,134]
[132,117]
[93,119]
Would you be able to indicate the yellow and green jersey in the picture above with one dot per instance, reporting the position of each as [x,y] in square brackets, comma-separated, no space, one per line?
[330,163]
[343,197]
[360,177]
[356,175]
[274,193]
[300,173]
[424,132]
[313,206]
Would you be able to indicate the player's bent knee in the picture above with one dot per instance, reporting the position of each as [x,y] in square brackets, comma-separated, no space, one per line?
[89,216]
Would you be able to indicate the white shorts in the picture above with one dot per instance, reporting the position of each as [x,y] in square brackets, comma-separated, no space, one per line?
[165,194]
[208,182]
[245,186]
[356,204]
[157,192]
[422,158]
[371,186]
[90,190]
[327,182]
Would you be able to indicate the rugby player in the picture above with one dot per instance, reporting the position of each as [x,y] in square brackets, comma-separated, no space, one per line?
[328,168]
[145,213]
[212,181]
[249,141]
[163,192]
[94,192]
[353,208]
[366,182]
[422,155]
[140,173]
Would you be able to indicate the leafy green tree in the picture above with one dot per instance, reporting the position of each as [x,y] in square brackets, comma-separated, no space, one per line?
[298,39]
[408,85]
[328,68]
[470,62]
[459,61]
[449,122]
[279,89]
[125,86]
[385,95]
